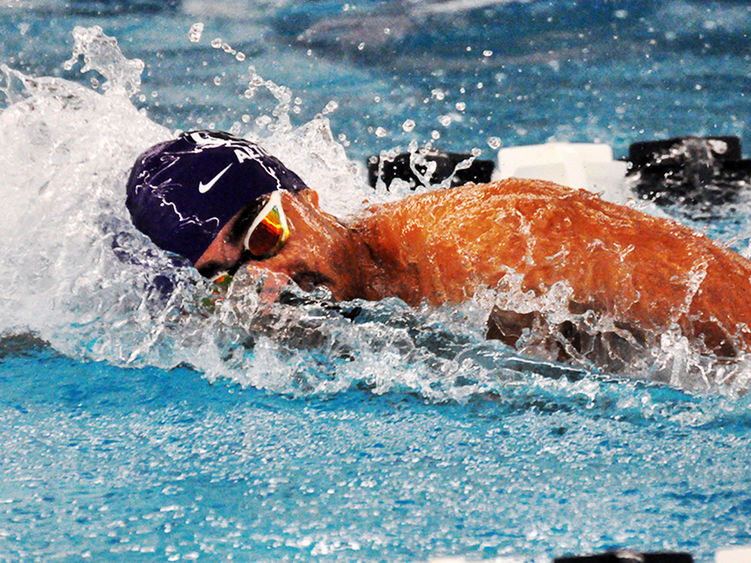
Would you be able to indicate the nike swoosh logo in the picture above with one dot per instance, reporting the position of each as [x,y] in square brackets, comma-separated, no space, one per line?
[203,188]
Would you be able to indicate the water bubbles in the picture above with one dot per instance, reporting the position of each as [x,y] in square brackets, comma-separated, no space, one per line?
[240,56]
[408,126]
[621,14]
[444,120]
[360,46]
[475,152]
[263,121]
[217,80]
[494,143]
[331,107]
[195,32]
[487,53]
[461,106]
[216,43]
[435,135]
[380,132]
[437,94]
[245,118]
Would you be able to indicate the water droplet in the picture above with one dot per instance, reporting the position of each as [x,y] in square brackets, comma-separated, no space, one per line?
[245,118]
[240,56]
[475,152]
[216,43]
[494,143]
[360,46]
[487,53]
[380,132]
[408,126]
[461,106]
[195,32]
[435,135]
[438,94]
[445,120]
[217,80]
[330,107]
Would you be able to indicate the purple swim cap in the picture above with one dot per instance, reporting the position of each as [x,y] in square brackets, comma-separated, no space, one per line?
[182,192]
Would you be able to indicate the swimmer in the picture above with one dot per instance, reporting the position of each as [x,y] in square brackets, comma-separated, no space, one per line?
[224,203]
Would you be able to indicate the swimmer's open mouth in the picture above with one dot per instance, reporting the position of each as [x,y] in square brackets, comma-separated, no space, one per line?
[308,280]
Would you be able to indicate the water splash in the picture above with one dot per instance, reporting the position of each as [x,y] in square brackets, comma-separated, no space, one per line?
[101,53]
[79,276]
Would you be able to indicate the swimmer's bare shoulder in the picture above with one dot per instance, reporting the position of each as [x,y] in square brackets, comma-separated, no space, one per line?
[647,272]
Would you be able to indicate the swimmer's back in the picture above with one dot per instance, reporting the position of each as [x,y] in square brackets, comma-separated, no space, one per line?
[643,269]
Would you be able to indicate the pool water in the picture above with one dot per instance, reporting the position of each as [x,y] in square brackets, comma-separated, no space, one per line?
[139,425]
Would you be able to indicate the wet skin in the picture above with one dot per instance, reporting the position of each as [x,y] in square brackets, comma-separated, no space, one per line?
[644,273]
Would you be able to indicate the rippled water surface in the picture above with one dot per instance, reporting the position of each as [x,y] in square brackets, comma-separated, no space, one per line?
[138,424]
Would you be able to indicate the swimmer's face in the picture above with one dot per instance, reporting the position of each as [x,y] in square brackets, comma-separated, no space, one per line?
[315,254]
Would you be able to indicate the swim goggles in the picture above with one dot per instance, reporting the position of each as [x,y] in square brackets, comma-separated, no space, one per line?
[269,230]
[265,237]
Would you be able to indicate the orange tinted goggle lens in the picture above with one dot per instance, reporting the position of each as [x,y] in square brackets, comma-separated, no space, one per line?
[268,236]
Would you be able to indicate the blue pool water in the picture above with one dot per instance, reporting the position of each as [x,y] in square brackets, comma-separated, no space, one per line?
[137,425]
